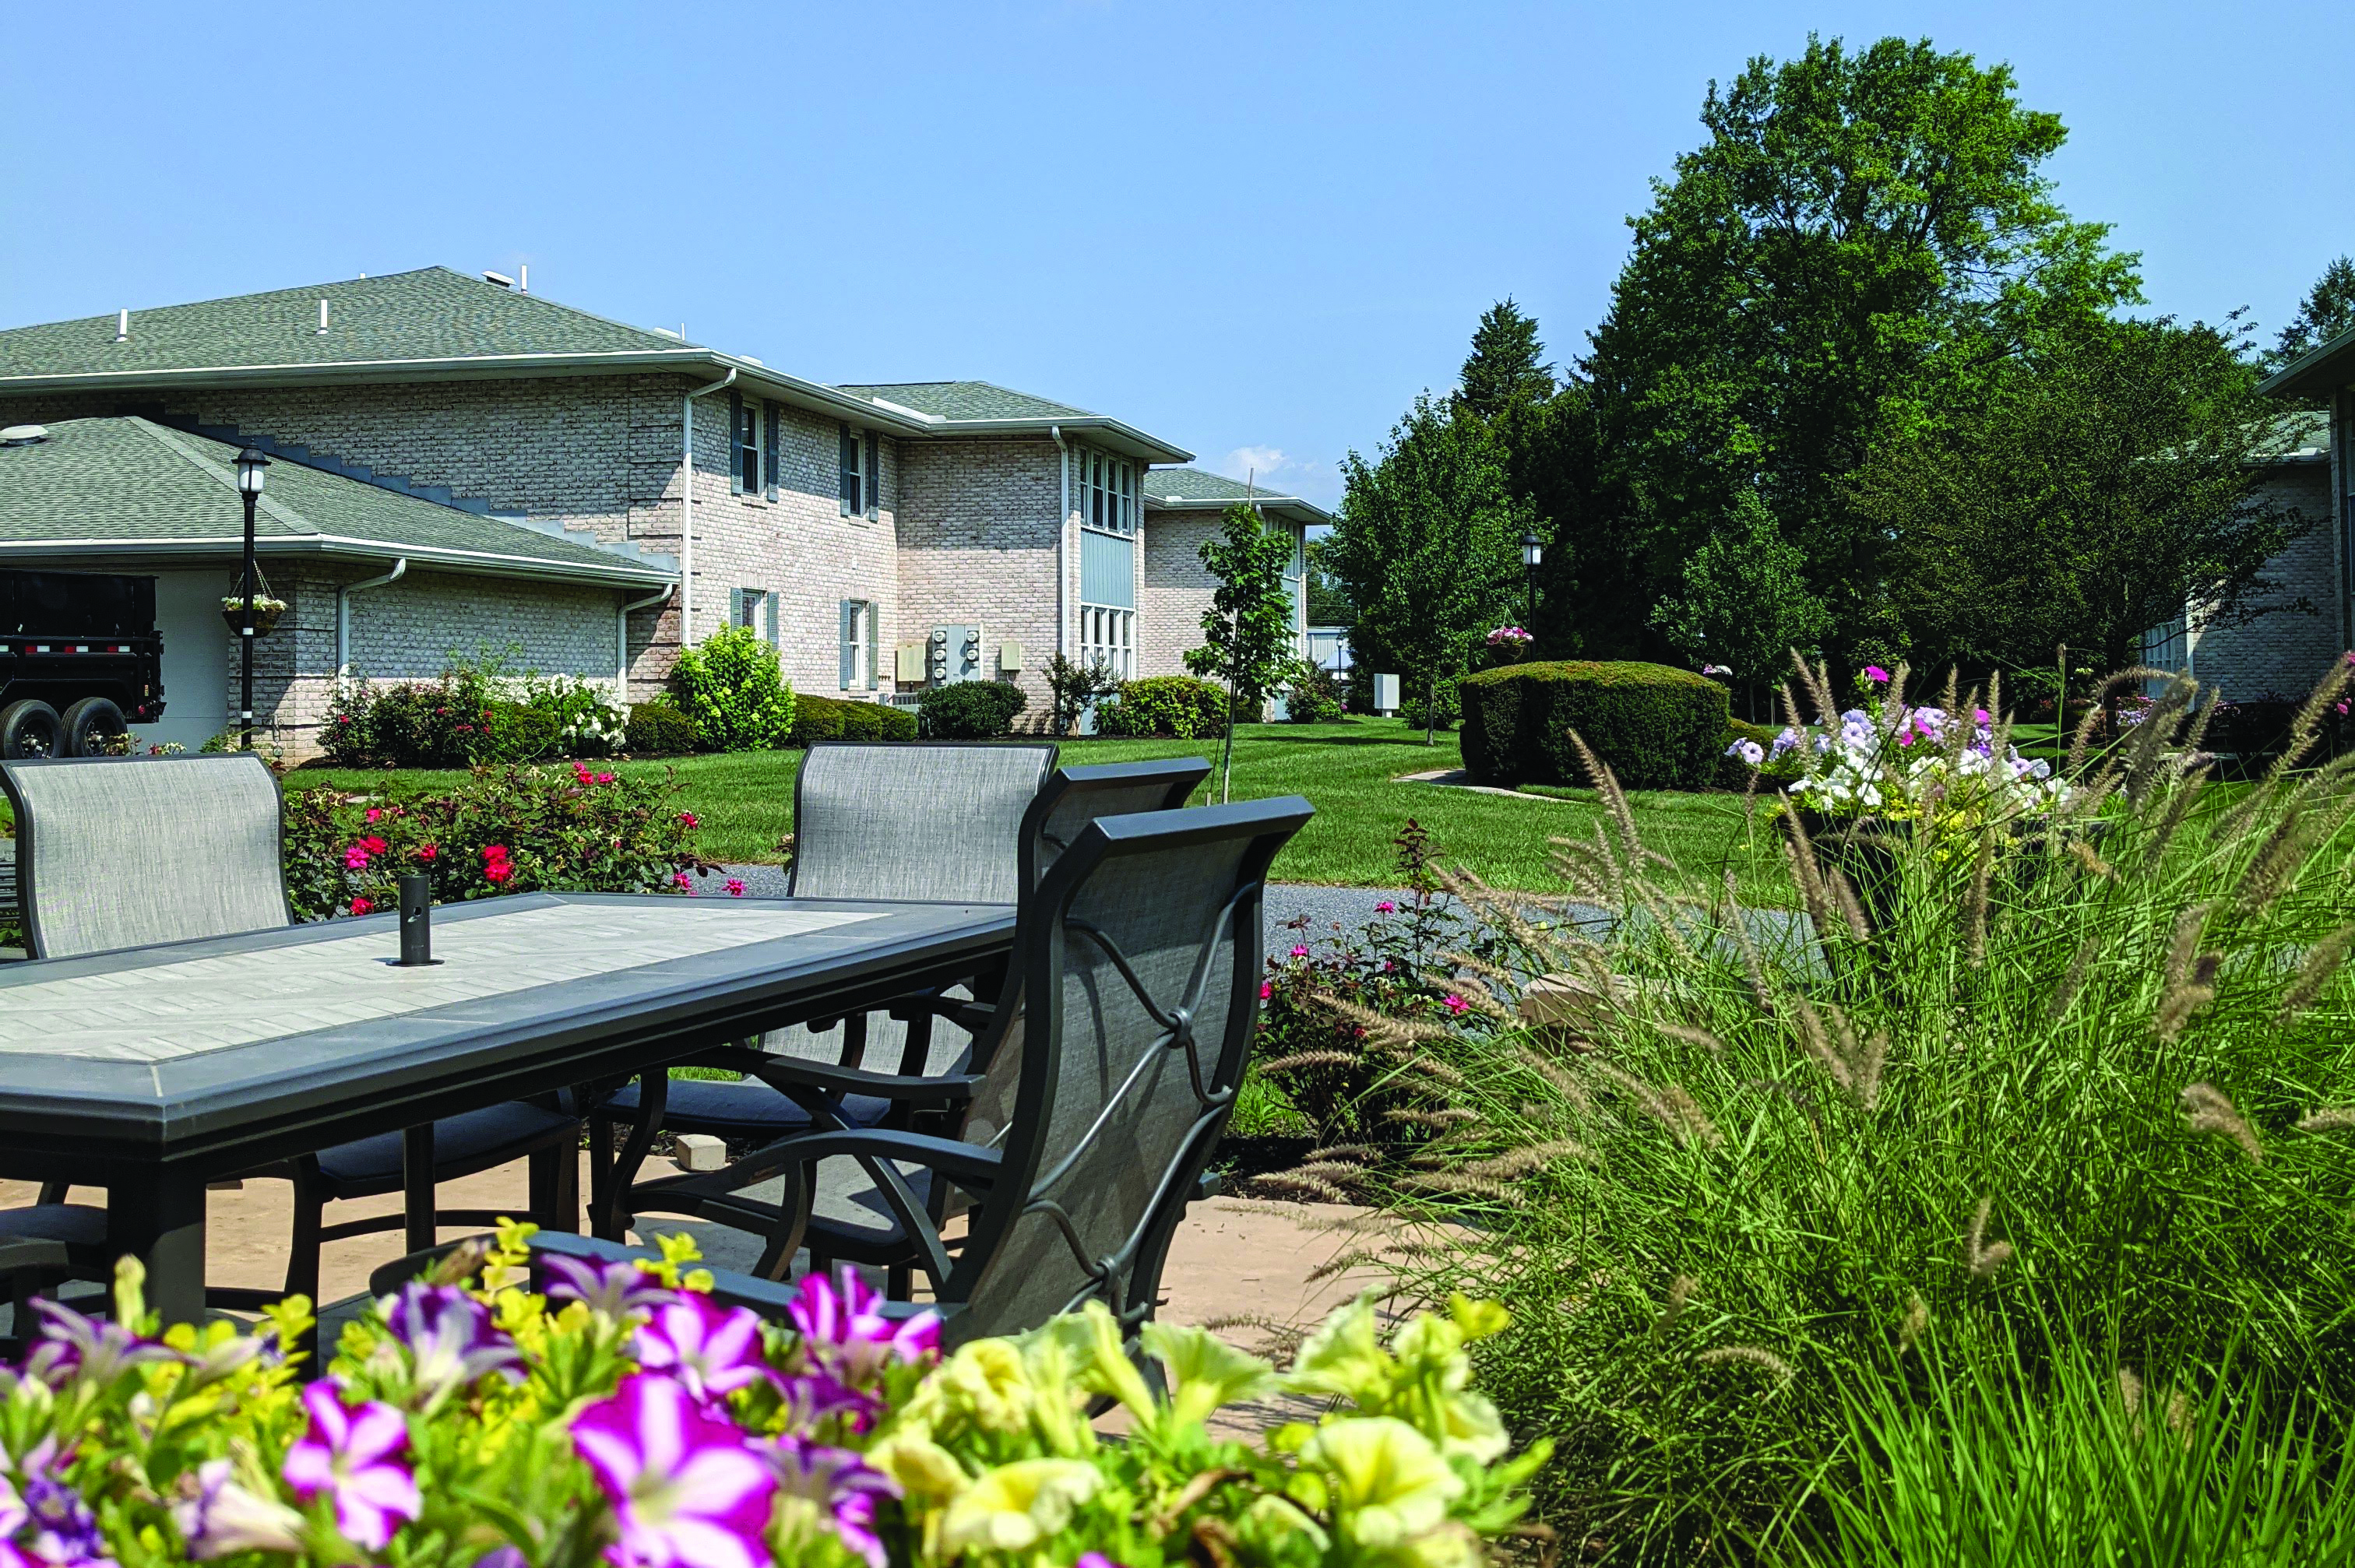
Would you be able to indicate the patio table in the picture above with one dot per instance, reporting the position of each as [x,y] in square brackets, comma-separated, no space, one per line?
[153,1071]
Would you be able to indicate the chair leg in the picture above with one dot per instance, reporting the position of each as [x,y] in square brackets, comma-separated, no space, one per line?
[601,1170]
[653,1098]
[302,1245]
[555,1188]
[55,1191]
[899,1282]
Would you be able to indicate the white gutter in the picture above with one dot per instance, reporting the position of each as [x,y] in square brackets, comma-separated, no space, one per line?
[687,514]
[344,613]
[622,667]
[337,547]
[1062,531]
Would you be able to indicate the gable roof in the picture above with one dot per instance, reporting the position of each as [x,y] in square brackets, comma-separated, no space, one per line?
[986,409]
[2318,371]
[126,487]
[434,323]
[1199,489]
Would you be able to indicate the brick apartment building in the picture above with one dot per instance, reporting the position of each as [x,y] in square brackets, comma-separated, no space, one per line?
[463,464]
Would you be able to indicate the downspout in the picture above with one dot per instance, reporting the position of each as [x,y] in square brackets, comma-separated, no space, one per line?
[621,666]
[344,613]
[686,515]
[1062,531]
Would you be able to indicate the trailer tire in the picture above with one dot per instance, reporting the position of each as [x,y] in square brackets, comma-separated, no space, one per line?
[30,729]
[91,720]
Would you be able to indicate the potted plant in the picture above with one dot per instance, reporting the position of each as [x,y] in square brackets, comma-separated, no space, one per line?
[1510,644]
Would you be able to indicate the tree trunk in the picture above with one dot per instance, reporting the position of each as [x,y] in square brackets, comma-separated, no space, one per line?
[1431,705]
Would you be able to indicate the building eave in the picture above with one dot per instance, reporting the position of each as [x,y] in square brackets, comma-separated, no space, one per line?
[2320,370]
[815,396]
[1291,506]
[332,546]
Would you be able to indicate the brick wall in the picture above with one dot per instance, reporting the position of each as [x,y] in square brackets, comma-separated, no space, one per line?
[2287,651]
[977,544]
[1177,588]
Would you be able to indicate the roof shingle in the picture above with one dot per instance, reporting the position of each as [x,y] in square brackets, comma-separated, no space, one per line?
[968,401]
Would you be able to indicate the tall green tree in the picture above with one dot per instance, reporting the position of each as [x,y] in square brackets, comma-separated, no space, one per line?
[2328,310]
[2096,492]
[1246,631]
[1744,602]
[1865,235]
[1329,600]
[1505,366]
[1427,545]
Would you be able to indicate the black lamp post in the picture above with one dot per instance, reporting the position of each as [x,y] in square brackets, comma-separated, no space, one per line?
[249,464]
[1532,552]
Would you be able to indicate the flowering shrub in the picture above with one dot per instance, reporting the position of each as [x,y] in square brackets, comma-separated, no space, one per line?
[473,714]
[1181,706]
[1892,760]
[512,831]
[734,689]
[624,1418]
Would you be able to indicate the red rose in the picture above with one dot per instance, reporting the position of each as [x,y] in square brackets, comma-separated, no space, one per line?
[362,905]
[426,851]
[498,870]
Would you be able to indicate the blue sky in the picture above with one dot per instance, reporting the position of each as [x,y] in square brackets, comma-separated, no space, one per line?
[1255,229]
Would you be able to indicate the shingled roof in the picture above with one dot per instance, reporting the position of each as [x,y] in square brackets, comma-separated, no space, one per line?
[1199,489]
[127,487]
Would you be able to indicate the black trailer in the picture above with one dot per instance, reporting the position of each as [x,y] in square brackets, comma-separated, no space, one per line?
[80,661]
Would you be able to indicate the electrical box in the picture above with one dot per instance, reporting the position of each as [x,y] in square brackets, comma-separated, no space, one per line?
[1386,694]
[952,654]
[908,667]
[1009,658]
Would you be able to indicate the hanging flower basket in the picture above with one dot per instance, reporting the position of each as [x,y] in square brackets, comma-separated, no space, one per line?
[266,612]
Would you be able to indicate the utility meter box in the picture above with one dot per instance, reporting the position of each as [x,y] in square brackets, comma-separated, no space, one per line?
[1386,694]
[908,664]
[952,654]
[1009,658]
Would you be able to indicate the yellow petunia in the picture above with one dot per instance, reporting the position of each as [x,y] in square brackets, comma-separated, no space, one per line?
[1386,1482]
[1014,1507]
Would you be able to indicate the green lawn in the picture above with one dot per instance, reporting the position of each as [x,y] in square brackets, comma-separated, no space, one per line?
[1346,769]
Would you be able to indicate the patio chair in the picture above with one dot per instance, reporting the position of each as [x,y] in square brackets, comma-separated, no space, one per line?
[786,1091]
[937,821]
[116,853]
[1141,969]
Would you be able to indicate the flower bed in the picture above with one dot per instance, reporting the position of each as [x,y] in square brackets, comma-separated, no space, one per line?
[514,829]
[624,1418]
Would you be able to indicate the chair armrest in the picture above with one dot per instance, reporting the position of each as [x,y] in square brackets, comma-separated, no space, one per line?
[964,1012]
[964,1163]
[781,1072]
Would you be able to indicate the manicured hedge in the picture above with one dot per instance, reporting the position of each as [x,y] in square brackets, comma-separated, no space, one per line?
[1182,707]
[969,710]
[833,718]
[1657,727]
[659,729]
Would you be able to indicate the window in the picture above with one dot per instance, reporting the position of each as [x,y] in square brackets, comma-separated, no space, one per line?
[1108,638]
[853,491]
[744,420]
[859,637]
[1107,498]
[755,610]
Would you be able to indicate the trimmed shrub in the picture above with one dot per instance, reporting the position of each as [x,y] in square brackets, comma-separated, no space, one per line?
[831,718]
[1656,728]
[969,710]
[732,687]
[518,732]
[1313,695]
[1178,706]
[657,728]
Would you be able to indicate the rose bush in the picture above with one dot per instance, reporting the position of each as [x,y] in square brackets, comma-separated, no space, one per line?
[514,829]
[624,1418]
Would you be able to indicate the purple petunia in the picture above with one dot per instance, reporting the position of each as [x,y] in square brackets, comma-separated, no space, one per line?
[225,1518]
[846,1330]
[450,1335]
[840,1481]
[615,1290]
[688,1490]
[352,1455]
[73,1346]
[712,1352]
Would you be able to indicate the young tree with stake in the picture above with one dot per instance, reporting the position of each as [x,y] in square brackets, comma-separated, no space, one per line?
[1247,631]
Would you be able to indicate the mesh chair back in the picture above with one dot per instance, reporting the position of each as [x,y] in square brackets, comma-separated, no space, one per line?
[1142,964]
[927,823]
[1075,797]
[124,852]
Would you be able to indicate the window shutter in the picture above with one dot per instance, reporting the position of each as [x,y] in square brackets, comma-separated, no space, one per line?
[874,648]
[735,443]
[735,607]
[847,614]
[874,497]
[845,465]
[769,449]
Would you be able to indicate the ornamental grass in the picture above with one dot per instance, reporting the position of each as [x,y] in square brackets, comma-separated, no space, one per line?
[1814,1226]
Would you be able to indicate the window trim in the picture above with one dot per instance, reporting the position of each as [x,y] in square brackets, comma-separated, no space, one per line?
[850,472]
[745,434]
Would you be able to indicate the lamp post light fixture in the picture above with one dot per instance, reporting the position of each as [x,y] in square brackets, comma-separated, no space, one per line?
[249,464]
[1532,552]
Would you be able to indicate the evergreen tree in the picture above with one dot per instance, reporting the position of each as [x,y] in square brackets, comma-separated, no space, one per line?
[2327,311]
[1427,546]
[1503,369]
